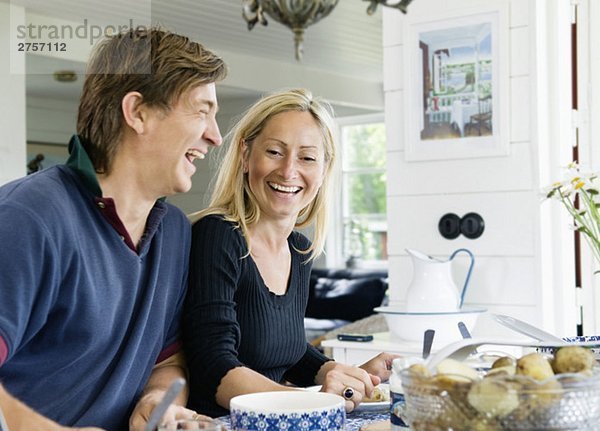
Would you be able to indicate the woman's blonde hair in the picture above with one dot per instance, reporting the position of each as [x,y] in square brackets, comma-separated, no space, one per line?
[231,196]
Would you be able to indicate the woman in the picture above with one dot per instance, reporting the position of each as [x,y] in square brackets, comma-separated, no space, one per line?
[249,269]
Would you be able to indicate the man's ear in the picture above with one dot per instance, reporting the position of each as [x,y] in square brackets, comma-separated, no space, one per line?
[134,111]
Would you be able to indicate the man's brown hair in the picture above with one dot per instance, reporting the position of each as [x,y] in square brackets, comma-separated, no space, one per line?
[158,64]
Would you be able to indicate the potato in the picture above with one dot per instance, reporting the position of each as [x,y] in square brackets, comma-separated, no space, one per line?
[483,424]
[493,397]
[504,361]
[379,395]
[507,371]
[423,425]
[458,370]
[535,366]
[451,383]
[538,399]
[513,391]
[419,370]
[573,359]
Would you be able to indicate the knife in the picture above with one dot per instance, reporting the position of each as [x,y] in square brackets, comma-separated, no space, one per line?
[463,330]
[427,342]
[3,426]
[164,404]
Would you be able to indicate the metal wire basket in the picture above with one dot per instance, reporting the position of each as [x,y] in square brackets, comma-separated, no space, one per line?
[564,402]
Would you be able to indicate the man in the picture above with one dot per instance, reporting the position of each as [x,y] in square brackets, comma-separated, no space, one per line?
[94,263]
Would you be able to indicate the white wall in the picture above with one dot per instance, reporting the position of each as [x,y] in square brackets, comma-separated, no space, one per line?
[50,120]
[12,108]
[505,190]
[589,106]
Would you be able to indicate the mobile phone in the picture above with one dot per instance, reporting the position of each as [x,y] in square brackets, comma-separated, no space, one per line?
[355,337]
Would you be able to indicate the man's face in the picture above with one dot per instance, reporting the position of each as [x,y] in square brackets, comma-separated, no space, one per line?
[180,136]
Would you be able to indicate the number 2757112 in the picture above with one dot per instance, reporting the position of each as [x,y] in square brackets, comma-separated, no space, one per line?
[41,46]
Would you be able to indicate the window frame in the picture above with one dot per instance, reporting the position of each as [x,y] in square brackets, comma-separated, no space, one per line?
[334,247]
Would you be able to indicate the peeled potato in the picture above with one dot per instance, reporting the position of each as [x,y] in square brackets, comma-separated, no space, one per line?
[493,398]
[451,383]
[573,359]
[535,366]
[483,424]
[542,397]
[467,401]
[507,370]
[504,361]
[377,396]
[419,370]
[458,370]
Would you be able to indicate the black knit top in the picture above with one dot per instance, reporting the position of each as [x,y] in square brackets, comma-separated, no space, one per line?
[231,319]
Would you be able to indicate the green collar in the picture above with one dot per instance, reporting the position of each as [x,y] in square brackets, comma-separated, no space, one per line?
[80,162]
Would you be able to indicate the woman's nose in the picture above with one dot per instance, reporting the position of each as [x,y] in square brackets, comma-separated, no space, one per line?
[289,167]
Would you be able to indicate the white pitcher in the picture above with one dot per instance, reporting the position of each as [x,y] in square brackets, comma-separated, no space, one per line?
[432,289]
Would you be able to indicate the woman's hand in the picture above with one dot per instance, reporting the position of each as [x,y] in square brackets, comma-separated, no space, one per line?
[353,383]
[380,365]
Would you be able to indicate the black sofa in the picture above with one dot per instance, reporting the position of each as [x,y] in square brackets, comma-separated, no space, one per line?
[341,296]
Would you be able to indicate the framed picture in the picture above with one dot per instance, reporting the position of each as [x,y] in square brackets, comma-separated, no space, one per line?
[456,84]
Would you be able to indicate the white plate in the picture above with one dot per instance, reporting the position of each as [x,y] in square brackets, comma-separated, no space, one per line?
[365,407]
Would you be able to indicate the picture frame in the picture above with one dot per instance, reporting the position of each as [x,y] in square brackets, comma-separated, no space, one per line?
[456,84]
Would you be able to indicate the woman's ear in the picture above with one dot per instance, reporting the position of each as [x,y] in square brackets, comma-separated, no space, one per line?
[134,111]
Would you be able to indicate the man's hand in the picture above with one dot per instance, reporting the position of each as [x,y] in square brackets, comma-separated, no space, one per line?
[163,374]
[380,365]
[141,414]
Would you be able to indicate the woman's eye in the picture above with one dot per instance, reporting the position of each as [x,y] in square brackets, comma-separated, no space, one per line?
[273,152]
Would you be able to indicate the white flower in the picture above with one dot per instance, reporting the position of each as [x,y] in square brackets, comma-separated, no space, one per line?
[579,194]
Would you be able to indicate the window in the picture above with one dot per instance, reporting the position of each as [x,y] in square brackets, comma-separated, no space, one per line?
[360,216]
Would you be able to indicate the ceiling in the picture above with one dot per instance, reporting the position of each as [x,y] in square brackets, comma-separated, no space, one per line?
[342,53]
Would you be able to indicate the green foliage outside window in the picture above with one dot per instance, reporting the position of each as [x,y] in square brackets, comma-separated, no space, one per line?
[364,210]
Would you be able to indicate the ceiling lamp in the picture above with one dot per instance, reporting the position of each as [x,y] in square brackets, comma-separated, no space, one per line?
[400,5]
[65,76]
[299,14]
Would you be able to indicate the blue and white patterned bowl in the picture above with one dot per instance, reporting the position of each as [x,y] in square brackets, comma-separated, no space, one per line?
[287,411]
[578,339]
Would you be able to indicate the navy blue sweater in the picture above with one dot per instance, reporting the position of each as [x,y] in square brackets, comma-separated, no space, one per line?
[84,318]
[231,319]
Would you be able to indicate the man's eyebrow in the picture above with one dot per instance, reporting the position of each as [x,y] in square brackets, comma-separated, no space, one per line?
[211,104]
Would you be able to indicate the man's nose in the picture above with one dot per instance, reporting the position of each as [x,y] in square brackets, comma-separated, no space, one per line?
[212,133]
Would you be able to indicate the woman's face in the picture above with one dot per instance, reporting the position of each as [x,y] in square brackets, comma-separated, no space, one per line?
[286,164]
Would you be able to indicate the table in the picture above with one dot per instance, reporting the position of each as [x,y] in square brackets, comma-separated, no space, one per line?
[352,352]
[354,420]
[356,353]
[461,114]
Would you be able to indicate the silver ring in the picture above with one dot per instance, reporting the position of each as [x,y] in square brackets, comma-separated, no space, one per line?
[348,393]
